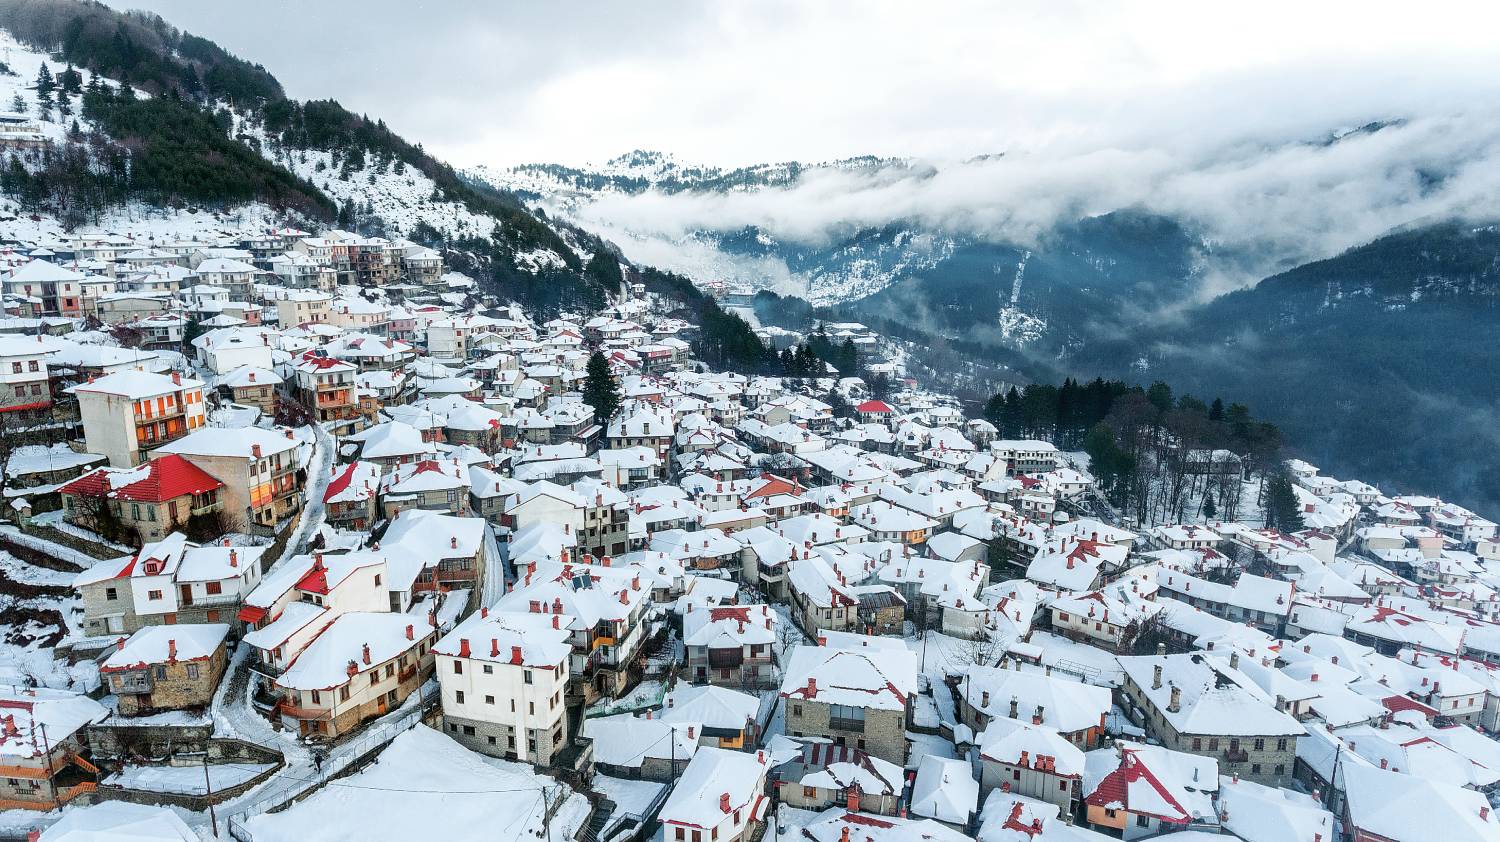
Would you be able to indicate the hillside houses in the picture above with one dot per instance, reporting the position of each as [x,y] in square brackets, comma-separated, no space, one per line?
[906,620]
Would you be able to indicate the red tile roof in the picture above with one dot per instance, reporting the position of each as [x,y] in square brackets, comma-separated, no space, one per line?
[1114,789]
[874,406]
[170,477]
[337,485]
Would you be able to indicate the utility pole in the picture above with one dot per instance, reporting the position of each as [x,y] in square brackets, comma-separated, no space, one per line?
[51,774]
[208,792]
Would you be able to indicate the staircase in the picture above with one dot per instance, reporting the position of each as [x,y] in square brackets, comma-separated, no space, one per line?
[599,818]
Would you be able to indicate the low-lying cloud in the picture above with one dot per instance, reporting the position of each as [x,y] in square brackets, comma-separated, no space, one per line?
[1283,202]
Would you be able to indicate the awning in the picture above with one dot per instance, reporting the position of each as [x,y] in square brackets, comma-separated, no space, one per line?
[251,614]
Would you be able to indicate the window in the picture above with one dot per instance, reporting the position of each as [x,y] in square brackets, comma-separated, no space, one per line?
[458,667]
[846,718]
[344,693]
[1062,786]
[192,670]
[489,700]
[468,730]
[374,677]
[1280,769]
[32,366]
[491,739]
[377,579]
[488,669]
[317,699]
[527,675]
[213,588]
[1015,774]
[1281,744]
[680,834]
[807,792]
[153,594]
[15,368]
[1260,744]
[1213,743]
[1255,768]
[796,710]
[390,670]
[1062,617]
[1197,743]
[20,391]
[459,696]
[1142,821]
[111,594]
[1108,813]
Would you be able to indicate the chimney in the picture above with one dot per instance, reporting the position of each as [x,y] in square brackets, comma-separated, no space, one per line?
[1036,716]
[234,559]
[171,650]
[120,645]
[352,669]
[410,632]
[1176,704]
[724,805]
[453,542]
[176,379]
[367,654]
[515,655]
[1014,713]
[463,647]
[554,622]
[1484,813]
[1156,677]
[984,699]
[1234,660]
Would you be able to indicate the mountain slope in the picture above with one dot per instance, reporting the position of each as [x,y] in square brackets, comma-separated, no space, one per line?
[169,118]
[1378,362]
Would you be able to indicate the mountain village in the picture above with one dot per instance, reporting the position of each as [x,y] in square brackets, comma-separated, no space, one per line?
[304,534]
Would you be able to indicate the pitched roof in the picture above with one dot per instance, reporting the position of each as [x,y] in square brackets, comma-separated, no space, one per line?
[157,481]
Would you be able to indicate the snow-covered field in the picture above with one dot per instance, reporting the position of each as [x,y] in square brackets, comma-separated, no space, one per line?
[426,786]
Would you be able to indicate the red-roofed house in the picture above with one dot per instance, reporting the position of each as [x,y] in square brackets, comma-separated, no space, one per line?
[350,497]
[1138,790]
[874,412]
[152,500]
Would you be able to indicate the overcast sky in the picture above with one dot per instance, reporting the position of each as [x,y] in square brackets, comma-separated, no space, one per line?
[741,82]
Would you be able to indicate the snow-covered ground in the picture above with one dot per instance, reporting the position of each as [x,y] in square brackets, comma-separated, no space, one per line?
[426,786]
[188,780]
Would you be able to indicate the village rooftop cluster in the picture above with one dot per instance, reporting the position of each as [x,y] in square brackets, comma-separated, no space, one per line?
[339,550]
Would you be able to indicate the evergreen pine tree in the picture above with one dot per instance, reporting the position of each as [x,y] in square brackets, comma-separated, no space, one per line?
[44,83]
[1282,509]
[600,390]
[1209,509]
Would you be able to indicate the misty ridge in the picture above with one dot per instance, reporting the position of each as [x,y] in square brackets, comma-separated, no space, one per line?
[1262,205]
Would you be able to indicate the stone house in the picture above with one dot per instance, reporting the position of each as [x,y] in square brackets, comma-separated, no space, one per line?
[857,698]
[1202,704]
[163,668]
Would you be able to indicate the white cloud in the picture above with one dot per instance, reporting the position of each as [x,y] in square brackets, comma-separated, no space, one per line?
[733,83]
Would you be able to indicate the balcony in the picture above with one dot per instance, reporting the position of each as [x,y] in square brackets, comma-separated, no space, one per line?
[774,574]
